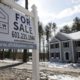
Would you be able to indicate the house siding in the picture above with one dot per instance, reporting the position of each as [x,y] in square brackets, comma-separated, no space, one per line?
[77,49]
[55,51]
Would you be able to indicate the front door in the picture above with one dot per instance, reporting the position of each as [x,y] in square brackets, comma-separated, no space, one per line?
[67,56]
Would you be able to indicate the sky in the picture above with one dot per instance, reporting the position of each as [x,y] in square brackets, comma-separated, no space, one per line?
[61,12]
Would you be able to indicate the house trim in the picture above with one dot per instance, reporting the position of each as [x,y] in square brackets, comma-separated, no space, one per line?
[66,40]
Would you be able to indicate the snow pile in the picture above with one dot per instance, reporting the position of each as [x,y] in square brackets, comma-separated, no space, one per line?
[58,65]
[44,64]
[9,61]
[63,77]
[43,76]
[29,63]
[52,77]
[63,65]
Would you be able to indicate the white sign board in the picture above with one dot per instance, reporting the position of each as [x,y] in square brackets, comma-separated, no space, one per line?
[16,28]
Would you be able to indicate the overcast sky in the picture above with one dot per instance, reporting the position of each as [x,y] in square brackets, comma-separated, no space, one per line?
[59,11]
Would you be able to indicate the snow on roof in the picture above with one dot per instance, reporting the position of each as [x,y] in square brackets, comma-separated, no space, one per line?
[74,36]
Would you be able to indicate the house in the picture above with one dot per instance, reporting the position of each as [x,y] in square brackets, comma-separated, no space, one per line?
[65,47]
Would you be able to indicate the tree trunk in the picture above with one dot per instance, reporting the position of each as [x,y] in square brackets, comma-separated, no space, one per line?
[43,50]
[25,55]
[14,54]
[9,53]
[48,50]
[39,45]
[2,54]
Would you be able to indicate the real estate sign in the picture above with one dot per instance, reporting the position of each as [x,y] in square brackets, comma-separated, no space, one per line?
[16,29]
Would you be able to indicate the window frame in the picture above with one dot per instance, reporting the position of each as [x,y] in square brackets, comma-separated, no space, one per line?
[66,44]
[77,44]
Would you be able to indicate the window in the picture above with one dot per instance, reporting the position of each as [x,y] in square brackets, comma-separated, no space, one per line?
[52,46]
[57,54]
[66,44]
[52,54]
[78,54]
[77,43]
[57,45]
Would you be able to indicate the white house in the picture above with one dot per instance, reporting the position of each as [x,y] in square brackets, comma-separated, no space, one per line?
[65,47]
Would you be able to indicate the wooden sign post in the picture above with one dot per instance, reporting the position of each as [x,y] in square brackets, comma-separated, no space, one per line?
[35,54]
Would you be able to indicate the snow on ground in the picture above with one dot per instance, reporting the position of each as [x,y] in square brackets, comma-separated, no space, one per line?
[9,61]
[44,64]
[60,65]
[63,77]
[64,65]
[59,76]
[54,76]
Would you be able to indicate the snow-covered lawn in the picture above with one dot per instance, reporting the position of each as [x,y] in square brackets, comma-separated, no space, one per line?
[9,61]
[63,77]
[44,66]
[60,65]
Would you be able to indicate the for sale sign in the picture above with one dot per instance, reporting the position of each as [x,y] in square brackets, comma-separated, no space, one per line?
[16,27]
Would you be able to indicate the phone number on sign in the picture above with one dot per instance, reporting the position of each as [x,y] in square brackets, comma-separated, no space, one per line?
[22,36]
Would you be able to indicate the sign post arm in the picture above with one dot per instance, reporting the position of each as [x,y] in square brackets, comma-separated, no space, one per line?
[35,52]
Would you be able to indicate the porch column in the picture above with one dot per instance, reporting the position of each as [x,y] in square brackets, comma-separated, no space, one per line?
[73,59]
[60,51]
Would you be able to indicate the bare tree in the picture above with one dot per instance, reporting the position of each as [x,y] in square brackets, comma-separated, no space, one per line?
[54,27]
